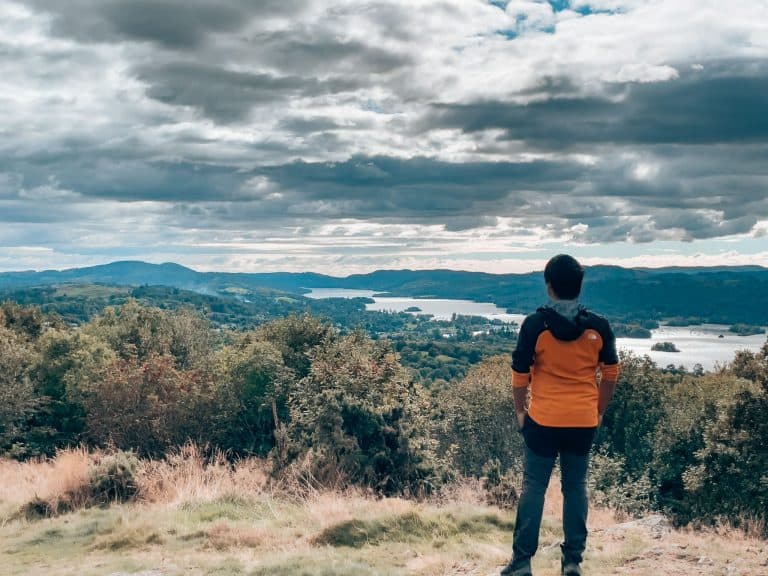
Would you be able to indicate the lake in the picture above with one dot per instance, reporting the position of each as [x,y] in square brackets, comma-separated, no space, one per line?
[440,308]
[697,344]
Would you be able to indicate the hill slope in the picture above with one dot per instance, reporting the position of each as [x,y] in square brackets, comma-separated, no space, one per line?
[210,519]
[724,295]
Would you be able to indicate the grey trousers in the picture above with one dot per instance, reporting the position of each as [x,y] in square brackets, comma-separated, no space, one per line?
[542,447]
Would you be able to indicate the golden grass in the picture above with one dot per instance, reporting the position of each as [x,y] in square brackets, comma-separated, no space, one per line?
[199,514]
[50,480]
[190,475]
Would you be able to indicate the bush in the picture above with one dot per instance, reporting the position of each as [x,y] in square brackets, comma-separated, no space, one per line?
[113,478]
[18,402]
[730,478]
[358,416]
[250,396]
[629,426]
[611,486]
[148,406]
[692,405]
[500,487]
[478,418]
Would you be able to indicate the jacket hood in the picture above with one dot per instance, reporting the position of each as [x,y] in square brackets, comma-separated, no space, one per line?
[562,327]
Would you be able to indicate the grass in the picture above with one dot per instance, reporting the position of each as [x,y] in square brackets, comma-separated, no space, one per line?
[199,516]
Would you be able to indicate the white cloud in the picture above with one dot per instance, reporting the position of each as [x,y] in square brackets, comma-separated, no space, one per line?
[80,112]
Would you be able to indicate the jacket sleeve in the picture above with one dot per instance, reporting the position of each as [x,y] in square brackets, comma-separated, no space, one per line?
[608,358]
[523,356]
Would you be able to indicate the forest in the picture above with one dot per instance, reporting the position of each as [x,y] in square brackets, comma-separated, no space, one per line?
[343,408]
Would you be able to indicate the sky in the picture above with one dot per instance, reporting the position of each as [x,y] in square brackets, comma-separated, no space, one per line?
[347,136]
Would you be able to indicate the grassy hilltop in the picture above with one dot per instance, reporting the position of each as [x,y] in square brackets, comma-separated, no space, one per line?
[198,517]
[328,455]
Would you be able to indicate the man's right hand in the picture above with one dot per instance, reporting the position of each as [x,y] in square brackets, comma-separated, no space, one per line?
[520,420]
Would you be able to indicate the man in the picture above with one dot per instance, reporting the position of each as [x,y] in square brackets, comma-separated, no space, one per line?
[561,350]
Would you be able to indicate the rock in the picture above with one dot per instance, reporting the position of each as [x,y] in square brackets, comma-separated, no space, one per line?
[656,524]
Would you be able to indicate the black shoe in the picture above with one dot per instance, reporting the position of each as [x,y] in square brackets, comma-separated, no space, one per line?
[509,570]
[571,570]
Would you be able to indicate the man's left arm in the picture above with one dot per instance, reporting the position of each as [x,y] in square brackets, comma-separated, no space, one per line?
[522,360]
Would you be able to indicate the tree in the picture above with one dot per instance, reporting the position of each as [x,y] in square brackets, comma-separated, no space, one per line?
[251,395]
[148,405]
[478,418]
[358,415]
[67,364]
[17,398]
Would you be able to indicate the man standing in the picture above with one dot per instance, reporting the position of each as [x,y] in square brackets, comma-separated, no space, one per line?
[567,357]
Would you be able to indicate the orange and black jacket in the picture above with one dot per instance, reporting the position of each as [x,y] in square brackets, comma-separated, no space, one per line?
[559,359]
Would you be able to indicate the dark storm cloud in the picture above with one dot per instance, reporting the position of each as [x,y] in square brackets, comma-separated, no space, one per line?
[303,52]
[308,125]
[228,95]
[468,194]
[175,24]
[724,104]
[418,187]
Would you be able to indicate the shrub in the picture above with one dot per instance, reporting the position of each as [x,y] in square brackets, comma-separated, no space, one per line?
[478,418]
[730,478]
[358,415]
[148,406]
[500,487]
[692,405]
[113,478]
[250,396]
[18,402]
[612,486]
[629,426]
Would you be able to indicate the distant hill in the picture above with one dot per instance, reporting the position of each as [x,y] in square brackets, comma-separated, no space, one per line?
[723,294]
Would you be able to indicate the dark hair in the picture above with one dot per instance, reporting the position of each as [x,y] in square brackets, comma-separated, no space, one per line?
[564,274]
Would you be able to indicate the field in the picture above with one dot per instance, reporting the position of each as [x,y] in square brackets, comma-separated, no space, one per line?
[202,517]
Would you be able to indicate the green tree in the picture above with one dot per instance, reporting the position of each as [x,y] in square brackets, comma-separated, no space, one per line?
[18,401]
[67,363]
[358,415]
[251,395]
[629,426]
[478,418]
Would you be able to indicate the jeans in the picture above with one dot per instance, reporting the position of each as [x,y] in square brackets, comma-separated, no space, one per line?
[542,446]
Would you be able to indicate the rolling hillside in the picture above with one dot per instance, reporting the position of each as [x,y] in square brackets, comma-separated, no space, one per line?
[725,295]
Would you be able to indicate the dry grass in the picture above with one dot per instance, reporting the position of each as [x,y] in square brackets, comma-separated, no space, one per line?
[199,514]
[51,480]
[189,475]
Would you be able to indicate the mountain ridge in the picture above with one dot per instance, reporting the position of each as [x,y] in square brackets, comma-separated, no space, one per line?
[717,294]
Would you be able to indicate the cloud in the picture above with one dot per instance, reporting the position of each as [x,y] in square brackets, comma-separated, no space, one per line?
[229,95]
[428,125]
[725,104]
[174,24]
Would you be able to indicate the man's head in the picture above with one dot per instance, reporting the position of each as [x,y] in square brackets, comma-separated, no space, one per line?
[563,275]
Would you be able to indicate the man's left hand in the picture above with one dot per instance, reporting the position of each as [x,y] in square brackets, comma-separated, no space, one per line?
[520,420]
